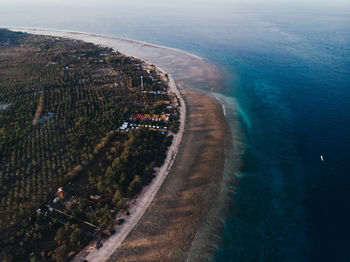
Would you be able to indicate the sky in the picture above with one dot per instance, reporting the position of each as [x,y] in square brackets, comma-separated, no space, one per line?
[198,3]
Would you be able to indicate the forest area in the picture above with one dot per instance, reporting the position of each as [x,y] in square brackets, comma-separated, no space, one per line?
[71,154]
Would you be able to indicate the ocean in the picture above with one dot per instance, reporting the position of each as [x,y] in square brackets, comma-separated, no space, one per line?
[286,70]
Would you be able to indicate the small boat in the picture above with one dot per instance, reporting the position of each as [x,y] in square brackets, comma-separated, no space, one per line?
[322,159]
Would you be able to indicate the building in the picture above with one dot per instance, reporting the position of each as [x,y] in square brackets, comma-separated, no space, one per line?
[61,194]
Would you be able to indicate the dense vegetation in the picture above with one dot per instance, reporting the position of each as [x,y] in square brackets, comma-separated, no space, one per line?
[62,103]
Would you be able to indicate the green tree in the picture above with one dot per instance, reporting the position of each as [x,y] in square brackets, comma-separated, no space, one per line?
[135,185]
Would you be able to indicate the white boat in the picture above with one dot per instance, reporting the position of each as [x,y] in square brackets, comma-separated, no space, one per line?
[322,159]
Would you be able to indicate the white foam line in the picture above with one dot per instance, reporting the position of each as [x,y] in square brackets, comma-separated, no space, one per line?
[222,104]
[223,108]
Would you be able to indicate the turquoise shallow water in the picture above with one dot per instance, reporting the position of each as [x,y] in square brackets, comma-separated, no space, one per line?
[287,79]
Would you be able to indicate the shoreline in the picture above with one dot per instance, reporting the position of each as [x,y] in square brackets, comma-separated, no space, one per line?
[100,35]
[207,113]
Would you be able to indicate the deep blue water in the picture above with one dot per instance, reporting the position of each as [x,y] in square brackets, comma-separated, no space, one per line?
[288,67]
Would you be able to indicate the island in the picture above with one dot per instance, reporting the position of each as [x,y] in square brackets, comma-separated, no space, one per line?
[84,129]
[178,216]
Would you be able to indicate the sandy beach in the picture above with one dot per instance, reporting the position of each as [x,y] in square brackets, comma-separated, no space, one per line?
[170,212]
[169,226]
